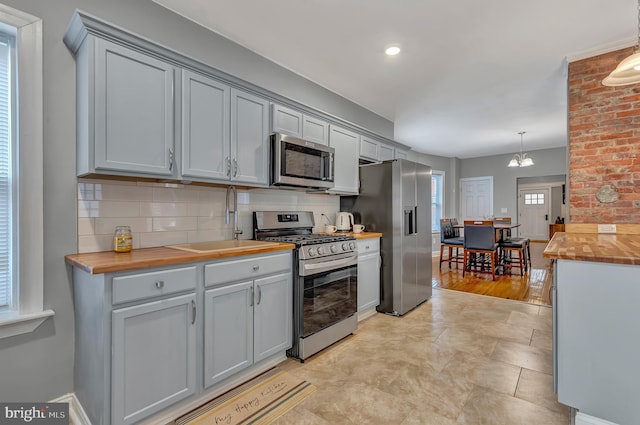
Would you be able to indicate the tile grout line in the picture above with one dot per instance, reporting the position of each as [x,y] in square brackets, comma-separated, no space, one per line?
[517,383]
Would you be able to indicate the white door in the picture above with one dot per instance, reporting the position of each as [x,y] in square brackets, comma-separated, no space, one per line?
[534,213]
[476,198]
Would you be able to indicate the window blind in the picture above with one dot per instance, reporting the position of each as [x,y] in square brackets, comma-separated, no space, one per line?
[6,178]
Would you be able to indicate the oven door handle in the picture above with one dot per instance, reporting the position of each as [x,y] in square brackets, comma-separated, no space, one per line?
[330,265]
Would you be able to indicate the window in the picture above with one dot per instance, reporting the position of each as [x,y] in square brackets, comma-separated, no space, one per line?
[7,194]
[21,174]
[534,198]
[437,199]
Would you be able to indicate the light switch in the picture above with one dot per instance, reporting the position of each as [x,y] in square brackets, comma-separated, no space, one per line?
[503,210]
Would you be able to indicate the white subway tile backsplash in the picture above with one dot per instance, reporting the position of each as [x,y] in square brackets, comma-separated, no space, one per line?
[163,209]
[86,226]
[173,224]
[167,213]
[107,225]
[148,240]
[121,192]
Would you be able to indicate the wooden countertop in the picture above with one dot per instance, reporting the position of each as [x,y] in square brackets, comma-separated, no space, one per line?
[361,235]
[597,247]
[109,261]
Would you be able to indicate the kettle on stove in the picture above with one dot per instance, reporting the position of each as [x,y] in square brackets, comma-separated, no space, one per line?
[344,221]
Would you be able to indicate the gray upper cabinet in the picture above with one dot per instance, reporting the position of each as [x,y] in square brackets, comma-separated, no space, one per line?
[285,120]
[346,143]
[249,139]
[401,154]
[125,111]
[374,150]
[315,130]
[225,134]
[288,121]
[206,148]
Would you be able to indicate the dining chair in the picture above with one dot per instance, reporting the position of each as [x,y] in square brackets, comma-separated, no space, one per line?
[519,246]
[480,249]
[451,240]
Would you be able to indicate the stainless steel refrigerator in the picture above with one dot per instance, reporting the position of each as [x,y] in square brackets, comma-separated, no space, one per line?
[395,199]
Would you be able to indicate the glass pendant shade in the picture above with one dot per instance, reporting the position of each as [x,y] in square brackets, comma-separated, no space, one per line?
[520,159]
[627,72]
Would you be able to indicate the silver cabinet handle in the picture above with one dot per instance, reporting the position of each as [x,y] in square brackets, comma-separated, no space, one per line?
[160,284]
[259,295]
[256,267]
[235,167]
[171,157]
[193,312]
[227,164]
[251,300]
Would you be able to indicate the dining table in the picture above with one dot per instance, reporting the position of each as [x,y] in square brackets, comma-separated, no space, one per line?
[499,227]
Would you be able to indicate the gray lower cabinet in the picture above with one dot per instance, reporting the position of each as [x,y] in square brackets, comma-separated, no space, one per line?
[125,108]
[154,357]
[346,143]
[368,274]
[246,321]
[149,339]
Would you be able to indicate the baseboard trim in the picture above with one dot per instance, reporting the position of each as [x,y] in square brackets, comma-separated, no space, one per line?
[582,419]
[77,416]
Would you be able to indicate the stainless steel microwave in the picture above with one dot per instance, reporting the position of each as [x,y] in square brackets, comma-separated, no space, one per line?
[297,162]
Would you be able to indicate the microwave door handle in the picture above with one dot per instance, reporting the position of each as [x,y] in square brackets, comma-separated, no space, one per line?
[331,165]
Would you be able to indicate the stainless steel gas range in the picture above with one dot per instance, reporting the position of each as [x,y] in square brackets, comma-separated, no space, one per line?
[324,281]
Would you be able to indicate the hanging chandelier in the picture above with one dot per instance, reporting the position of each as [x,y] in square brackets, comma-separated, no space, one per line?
[628,71]
[521,159]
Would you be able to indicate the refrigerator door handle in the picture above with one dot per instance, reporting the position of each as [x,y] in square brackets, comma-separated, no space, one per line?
[415,220]
[408,222]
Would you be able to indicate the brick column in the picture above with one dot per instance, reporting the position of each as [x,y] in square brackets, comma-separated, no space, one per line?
[604,144]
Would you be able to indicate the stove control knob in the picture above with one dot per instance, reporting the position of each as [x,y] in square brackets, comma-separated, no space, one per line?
[334,248]
[352,245]
[320,250]
[345,246]
[312,252]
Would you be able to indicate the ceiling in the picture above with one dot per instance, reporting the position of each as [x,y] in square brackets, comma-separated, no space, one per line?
[470,76]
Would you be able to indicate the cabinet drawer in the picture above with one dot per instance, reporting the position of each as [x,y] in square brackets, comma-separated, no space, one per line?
[368,246]
[246,268]
[153,284]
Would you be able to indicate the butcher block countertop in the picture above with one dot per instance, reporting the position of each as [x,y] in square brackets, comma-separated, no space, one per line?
[365,235]
[109,262]
[596,247]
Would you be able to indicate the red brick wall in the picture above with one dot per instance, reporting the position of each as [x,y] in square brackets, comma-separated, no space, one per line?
[604,142]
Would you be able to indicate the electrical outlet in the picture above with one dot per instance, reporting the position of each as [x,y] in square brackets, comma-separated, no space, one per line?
[606,228]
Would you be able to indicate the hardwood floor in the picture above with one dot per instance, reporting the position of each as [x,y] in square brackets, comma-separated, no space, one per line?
[534,287]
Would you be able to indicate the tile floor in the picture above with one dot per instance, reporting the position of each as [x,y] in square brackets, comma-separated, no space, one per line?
[459,358]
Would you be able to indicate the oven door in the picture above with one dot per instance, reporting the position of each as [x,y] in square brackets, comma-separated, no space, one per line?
[330,291]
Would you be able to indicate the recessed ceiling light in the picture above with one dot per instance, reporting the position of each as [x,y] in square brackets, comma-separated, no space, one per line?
[392,51]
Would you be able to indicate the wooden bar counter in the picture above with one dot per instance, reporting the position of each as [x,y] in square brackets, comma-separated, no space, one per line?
[596,336]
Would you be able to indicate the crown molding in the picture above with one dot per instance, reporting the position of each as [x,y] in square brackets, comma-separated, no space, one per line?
[602,49]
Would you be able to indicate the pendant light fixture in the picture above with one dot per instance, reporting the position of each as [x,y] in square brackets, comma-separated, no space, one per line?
[521,159]
[628,71]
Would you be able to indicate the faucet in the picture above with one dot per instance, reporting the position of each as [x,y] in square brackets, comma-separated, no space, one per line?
[236,232]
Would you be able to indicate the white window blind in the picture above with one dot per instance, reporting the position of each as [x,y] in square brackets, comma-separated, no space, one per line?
[6,176]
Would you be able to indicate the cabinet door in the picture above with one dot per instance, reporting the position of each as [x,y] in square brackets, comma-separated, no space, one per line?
[228,331]
[153,357]
[273,313]
[315,130]
[368,149]
[134,111]
[401,154]
[249,138]
[346,144]
[368,281]
[385,152]
[205,127]
[286,121]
